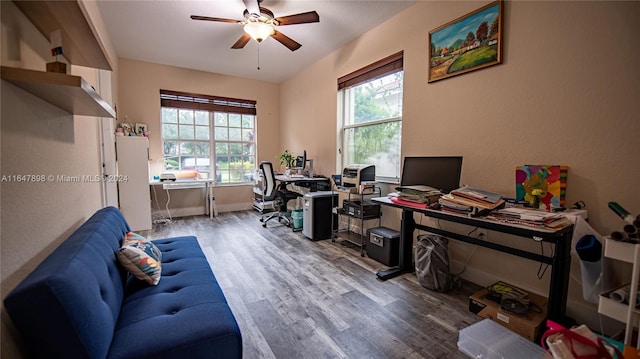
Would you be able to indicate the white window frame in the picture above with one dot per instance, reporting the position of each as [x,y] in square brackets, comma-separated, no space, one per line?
[387,66]
[211,105]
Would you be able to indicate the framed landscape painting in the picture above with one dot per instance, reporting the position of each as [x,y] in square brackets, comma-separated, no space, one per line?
[468,43]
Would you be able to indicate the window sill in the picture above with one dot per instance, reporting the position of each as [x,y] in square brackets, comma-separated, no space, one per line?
[251,184]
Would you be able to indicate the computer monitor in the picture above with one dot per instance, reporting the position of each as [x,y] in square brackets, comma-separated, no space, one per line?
[301,161]
[442,173]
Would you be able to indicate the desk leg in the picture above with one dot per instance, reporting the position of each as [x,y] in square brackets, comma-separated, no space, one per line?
[559,286]
[207,201]
[407,228]
[211,202]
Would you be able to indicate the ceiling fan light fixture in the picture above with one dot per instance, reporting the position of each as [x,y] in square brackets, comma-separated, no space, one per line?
[259,30]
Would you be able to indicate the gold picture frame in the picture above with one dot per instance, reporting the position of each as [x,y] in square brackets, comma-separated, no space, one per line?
[468,43]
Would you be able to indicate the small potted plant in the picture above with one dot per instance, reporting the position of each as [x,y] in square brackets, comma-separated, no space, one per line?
[287,159]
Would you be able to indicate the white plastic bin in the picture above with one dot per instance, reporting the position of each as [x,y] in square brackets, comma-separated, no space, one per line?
[487,339]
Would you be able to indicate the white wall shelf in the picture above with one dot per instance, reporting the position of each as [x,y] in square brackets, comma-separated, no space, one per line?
[80,42]
[82,46]
[70,93]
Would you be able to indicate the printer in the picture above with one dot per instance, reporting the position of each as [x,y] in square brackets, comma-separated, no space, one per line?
[354,175]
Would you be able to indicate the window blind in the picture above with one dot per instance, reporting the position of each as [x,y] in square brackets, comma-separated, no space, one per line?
[388,65]
[206,103]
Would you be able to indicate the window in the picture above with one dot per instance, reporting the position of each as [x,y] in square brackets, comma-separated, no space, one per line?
[370,120]
[198,128]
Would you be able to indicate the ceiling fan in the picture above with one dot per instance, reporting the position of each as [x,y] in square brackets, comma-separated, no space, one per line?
[260,23]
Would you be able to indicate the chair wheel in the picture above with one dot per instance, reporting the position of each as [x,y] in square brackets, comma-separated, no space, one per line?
[264,225]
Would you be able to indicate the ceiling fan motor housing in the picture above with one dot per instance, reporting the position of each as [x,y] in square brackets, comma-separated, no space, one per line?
[265,16]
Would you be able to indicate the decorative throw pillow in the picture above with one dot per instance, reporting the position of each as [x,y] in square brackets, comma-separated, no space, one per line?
[141,258]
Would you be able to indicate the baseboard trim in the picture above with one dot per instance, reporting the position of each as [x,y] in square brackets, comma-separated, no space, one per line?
[198,210]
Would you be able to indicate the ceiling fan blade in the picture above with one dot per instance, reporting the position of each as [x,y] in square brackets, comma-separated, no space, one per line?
[241,41]
[302,18]
[252,6]
[219,19]
[286,41]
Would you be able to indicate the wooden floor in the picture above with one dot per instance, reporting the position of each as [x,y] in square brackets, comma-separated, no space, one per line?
[295,298]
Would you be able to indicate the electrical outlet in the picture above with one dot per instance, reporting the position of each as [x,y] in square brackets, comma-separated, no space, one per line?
[481,233]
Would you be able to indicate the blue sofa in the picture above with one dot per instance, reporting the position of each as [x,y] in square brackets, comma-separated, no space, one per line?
[81,303]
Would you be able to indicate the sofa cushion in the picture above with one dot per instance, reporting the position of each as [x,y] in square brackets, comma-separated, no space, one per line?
[187,300]
[62,318]
[141,258]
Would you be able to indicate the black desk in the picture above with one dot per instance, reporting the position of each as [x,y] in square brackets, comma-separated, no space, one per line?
[309,182]
[560,260]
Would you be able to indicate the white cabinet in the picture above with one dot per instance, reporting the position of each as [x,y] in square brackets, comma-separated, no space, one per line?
[132,154]
[630,253]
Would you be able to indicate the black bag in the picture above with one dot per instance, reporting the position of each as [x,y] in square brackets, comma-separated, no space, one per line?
[432,263]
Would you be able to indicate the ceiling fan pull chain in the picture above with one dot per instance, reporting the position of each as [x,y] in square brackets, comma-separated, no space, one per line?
[258,56]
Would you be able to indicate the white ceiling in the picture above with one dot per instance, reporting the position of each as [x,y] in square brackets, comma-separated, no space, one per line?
[163,32]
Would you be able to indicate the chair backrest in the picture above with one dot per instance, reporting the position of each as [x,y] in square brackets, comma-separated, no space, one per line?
[269,179]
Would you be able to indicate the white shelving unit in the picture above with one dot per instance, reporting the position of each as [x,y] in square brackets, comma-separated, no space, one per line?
[259,204]
[82,46]
[629,253]
[67,92]
[80,40]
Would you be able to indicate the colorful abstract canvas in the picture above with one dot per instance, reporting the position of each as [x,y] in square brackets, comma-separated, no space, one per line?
[542,186]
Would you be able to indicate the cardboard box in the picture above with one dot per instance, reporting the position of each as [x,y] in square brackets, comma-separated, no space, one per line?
[59,67]
[530,327]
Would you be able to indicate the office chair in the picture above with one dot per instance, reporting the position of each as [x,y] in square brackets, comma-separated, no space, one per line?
[280,194]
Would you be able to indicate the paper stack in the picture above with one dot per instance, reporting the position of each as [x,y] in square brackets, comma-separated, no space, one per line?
[530,217]
[472,201]
[419,196]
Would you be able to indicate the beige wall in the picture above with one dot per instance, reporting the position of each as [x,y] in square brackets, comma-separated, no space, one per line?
[40,139]
[139,91]
[566,93]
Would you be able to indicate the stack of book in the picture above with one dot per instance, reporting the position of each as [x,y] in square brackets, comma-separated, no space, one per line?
[530,217]
[419,196]
[473,201]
